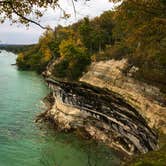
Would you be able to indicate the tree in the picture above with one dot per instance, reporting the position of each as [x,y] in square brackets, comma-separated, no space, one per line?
[107,23]
[74,59]
[98,36]
[70,50]
[85,30]
[25,10]
[140,27]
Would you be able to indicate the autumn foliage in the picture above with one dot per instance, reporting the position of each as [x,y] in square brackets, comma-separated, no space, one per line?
[134,30]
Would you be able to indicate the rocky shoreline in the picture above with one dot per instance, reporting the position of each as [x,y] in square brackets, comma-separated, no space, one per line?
[101,114]
[108,105]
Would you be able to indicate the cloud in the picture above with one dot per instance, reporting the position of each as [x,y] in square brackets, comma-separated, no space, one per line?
[21,35]
[12,34]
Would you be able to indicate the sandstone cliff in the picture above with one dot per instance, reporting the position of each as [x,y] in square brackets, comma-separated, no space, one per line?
[148,100]
[104,115]
[109,105]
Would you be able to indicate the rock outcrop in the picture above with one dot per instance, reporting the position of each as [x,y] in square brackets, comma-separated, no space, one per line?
[103,114]
[117,76]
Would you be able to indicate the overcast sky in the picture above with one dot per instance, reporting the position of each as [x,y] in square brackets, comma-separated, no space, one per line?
[18,34]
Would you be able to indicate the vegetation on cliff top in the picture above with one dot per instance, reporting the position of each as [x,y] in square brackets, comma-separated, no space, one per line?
[135,30]
[73,46]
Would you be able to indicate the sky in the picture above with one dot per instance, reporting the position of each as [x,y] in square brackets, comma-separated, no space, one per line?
[19,34]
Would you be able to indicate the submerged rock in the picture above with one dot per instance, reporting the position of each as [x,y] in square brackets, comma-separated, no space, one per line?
[103,114]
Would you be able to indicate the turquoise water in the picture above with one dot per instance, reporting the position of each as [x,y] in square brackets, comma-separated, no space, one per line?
[24,143]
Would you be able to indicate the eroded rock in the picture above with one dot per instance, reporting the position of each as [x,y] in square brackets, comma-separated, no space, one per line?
[147,99]
[105,115]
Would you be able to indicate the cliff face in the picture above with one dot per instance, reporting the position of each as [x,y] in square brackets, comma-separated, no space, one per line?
[103,114]
[148,100]
[109,105]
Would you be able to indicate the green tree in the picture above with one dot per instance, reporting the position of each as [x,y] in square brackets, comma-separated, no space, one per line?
[85,30]
[74,59]
[106,23]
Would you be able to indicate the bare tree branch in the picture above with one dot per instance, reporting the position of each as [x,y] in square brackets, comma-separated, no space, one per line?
[74,7]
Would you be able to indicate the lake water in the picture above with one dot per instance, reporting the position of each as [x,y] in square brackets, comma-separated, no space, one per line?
[24,143]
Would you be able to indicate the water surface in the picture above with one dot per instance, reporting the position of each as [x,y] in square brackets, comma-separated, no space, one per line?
[22,142]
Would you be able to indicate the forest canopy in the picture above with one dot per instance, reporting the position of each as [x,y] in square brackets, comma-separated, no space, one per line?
[134,30]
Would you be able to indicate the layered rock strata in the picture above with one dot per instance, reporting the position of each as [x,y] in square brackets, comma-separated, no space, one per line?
[118,76]
[103,114]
